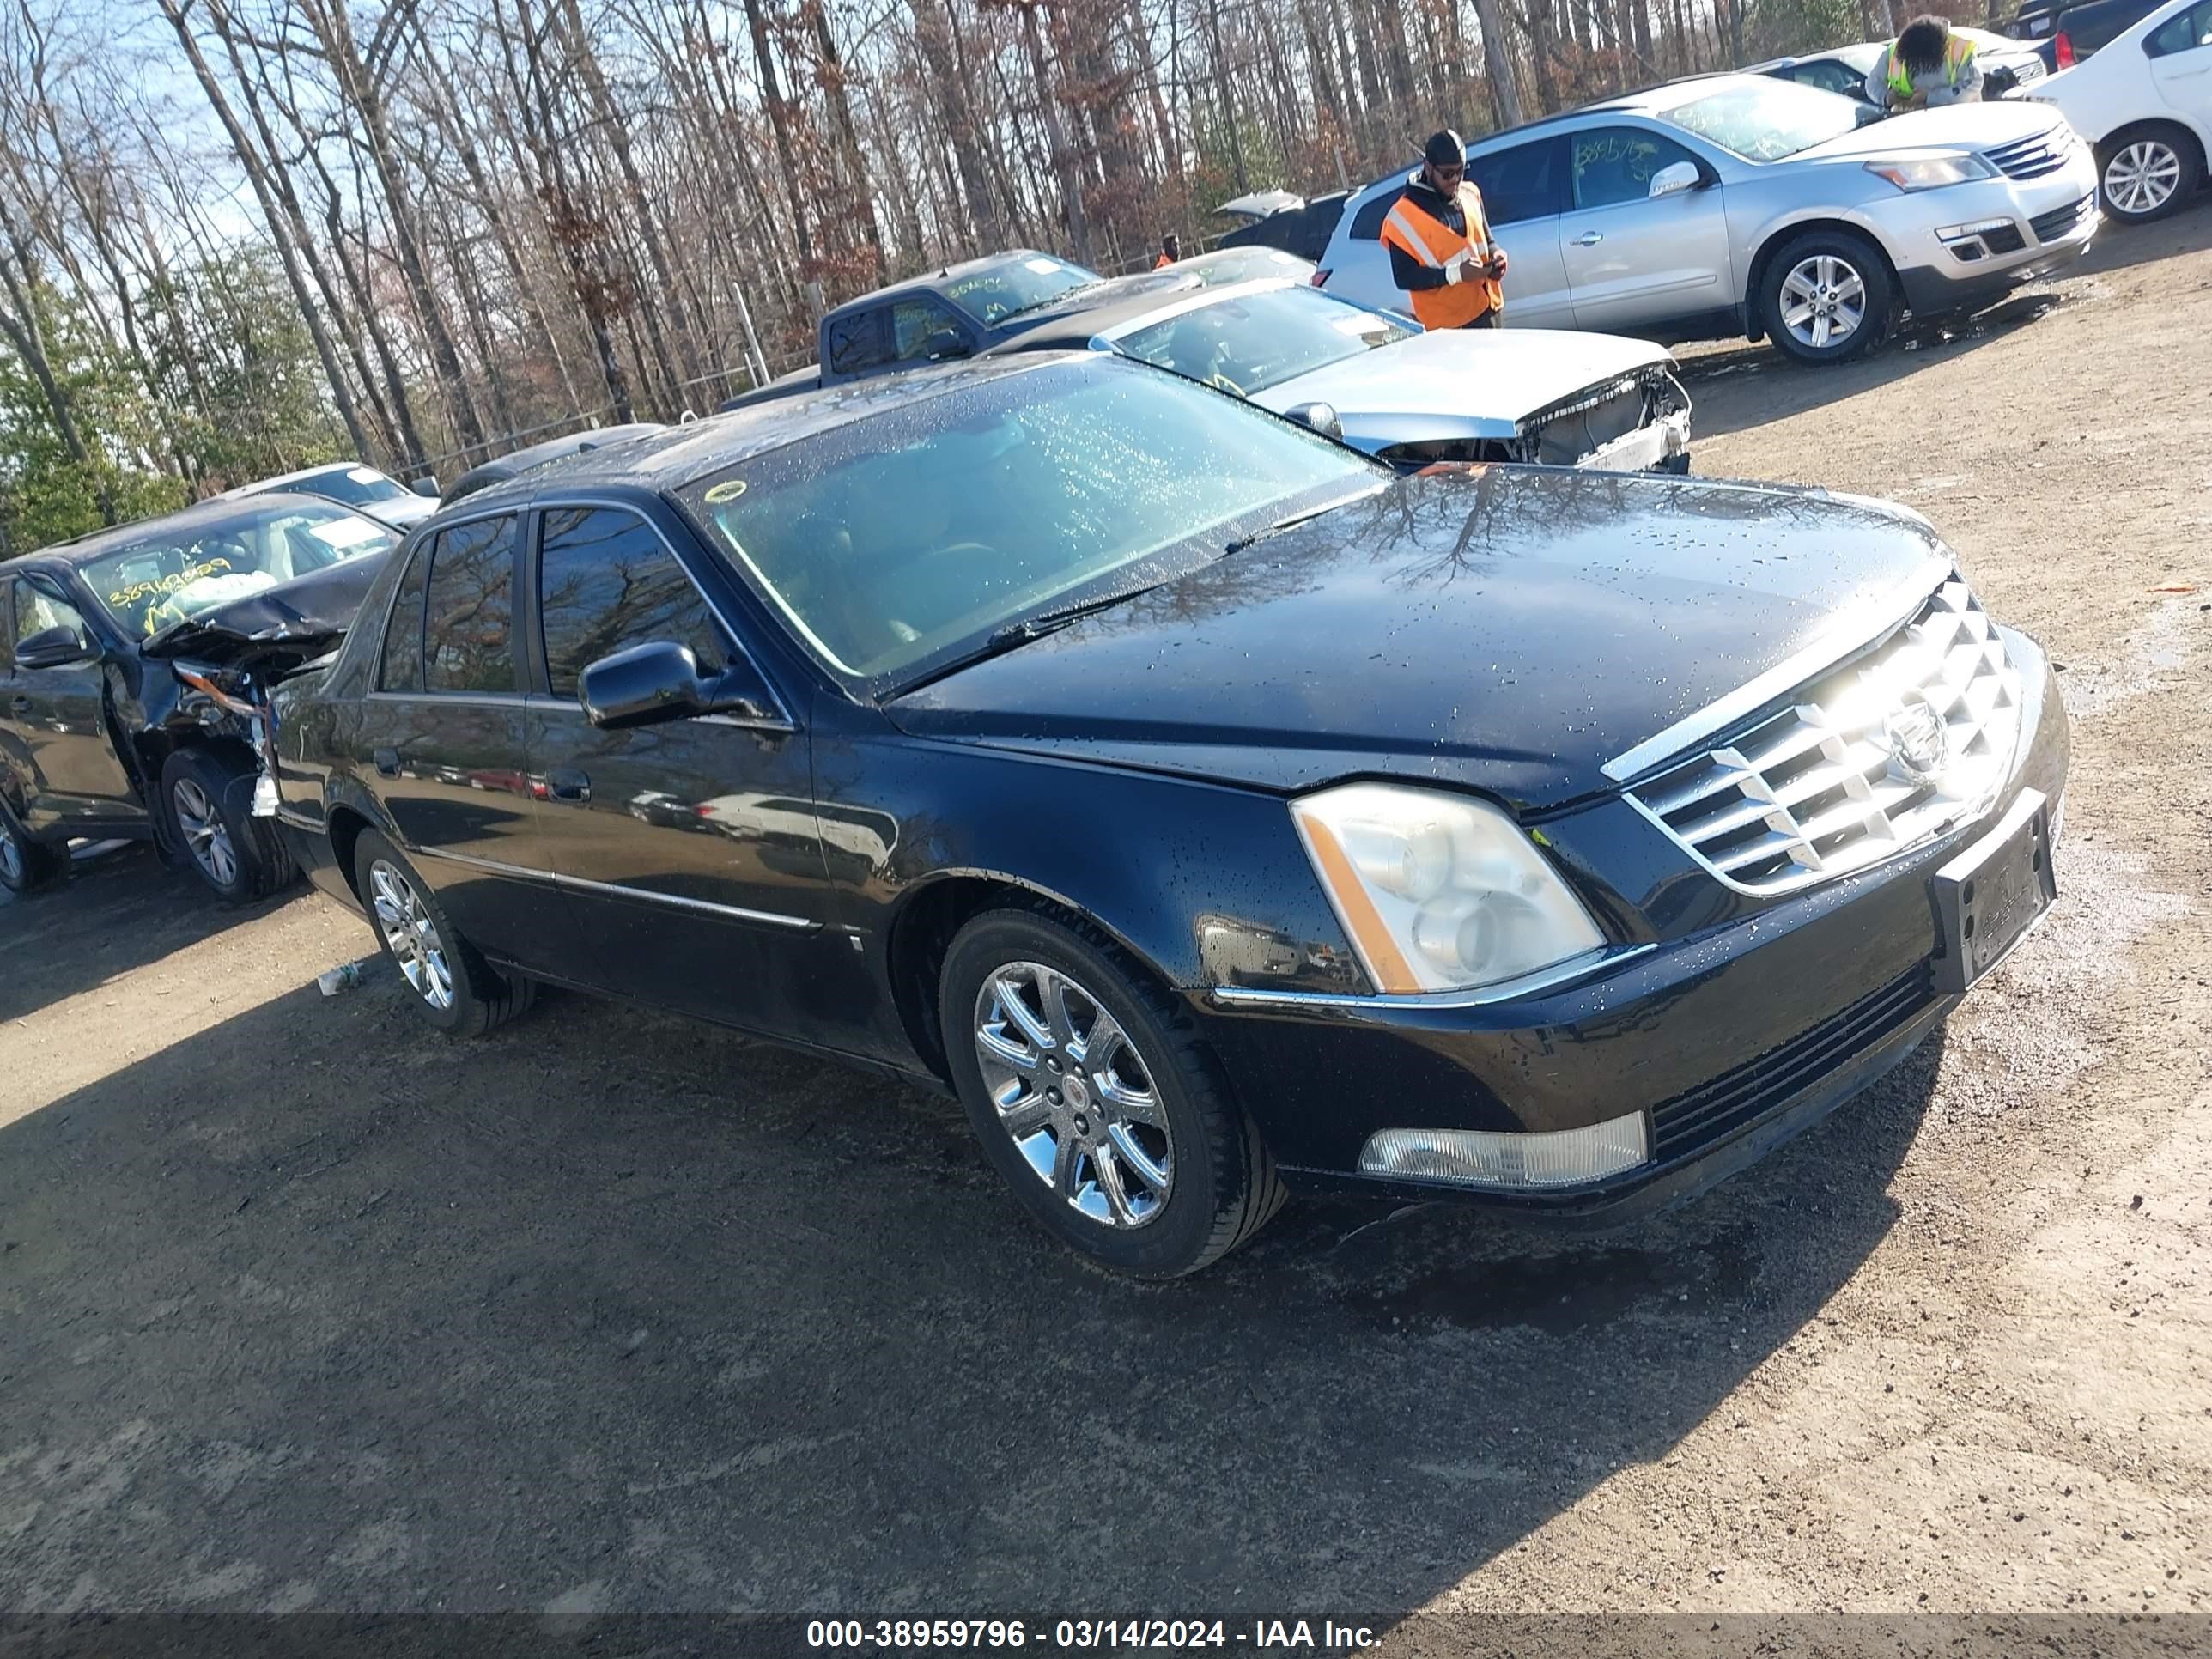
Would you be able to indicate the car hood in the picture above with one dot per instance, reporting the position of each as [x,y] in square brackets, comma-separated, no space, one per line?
[275,630]
[1505,628]
[1461,383]
[1955,126]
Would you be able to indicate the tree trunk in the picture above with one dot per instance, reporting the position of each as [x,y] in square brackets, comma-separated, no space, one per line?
[1063,163]
[1498,63]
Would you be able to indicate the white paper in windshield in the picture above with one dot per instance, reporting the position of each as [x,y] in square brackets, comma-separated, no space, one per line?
[367,475]
[1042,267]
[345,532]
[1360,326]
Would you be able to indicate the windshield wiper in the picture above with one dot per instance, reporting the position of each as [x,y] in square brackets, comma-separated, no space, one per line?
[1292,520]
[1012,636]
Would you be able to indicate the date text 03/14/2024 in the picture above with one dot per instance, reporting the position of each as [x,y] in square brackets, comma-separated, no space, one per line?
[1111,1635]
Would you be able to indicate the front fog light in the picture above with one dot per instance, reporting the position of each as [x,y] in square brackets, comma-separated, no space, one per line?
[1483,1158]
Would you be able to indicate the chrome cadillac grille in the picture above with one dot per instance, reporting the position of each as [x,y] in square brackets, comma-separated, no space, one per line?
[2032,158]
[1874,756]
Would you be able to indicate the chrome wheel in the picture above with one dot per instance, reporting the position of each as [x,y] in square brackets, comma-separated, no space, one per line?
[1072,1090]
[409,934]
[1823,300]
[2141,177]
[12,865]
[205,834]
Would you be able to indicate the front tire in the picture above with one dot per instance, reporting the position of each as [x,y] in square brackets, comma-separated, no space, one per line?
[237,855]
[1826,296]
[2146,173]
[448,981]
[1096,1100]
[25,864]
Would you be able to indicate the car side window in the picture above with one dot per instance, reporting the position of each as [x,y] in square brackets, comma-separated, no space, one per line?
[402,668]
[37,609]
[2184,33]
[1829,75]
[467,637]
[1367,223]
[605,582]
[858,342]
[913,322]
[1615,164]
[1526,181]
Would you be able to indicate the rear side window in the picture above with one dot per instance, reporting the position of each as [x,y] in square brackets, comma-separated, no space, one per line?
[402,668]
[468,634]
[606,583]
[1527,181]
[1367,223]
[858,342]
[2191,29]
[1614,165]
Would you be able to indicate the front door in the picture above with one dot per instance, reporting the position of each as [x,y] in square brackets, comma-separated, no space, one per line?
[59,734]
[445,734]
[1523,189]
[1636,261]
[687,852]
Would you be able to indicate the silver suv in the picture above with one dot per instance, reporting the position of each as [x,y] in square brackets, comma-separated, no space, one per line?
[1740,204]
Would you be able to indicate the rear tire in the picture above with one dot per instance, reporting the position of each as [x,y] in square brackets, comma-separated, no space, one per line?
[26,865]
[449,983]
[239,856]
[1825,297]
[1102,1109]
[2146,173]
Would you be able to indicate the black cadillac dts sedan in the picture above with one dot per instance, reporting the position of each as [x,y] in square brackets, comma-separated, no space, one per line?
[1216,812]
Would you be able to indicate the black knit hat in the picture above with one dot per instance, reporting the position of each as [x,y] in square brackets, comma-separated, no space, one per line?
[1445,149]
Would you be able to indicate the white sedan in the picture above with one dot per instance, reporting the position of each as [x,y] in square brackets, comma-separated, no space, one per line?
[2145,102]
[1376,380]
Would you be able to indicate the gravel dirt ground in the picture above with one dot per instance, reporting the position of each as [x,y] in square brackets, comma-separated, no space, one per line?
[302,1308]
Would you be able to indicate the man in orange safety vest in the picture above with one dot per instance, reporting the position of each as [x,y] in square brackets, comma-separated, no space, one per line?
[1441,252]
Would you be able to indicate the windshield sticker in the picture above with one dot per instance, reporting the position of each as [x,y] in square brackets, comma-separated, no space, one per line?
[345,532]
[158,585]
[728,490]
[1360,326]
[366,475]
[1042,267]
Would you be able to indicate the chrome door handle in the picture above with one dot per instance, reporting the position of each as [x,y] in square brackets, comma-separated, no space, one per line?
[565,784]
[1589,239]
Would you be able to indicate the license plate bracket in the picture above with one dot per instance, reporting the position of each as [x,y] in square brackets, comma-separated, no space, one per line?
[1988,896]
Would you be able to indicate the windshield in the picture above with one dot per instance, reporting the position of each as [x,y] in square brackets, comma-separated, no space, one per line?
[1017,285]
[1767,121]
[1248,345]
[163,579]
[907,538]
[356,486]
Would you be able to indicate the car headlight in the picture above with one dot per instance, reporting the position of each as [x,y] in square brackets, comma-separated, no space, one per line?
[1932,172]
[1438,892]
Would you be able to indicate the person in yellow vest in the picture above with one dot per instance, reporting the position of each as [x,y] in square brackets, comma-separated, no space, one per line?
[1441,253]
[1928,64]
[1170,251]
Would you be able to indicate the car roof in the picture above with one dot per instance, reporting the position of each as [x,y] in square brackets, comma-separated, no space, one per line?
[1077,331]
[679,455]
[191,520]
[934,280]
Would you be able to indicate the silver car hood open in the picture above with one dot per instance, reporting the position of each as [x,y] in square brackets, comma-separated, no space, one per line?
[1457,383]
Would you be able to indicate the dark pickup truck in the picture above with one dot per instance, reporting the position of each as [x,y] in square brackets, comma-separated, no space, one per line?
[953,312]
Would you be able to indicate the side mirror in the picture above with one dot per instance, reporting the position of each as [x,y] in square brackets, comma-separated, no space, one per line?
[1322,417]
[659,681]
[944,343]
[425,487]
[54,648]
[1673,178]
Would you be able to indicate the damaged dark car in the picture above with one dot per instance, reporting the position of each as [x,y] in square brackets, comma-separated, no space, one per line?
[135,670]
[1213,809]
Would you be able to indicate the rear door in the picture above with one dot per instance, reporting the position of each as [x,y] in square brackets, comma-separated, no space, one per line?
[1524,189]
[1635,261]
[689,851]
[59,733]
[2180,52]
[443,740]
